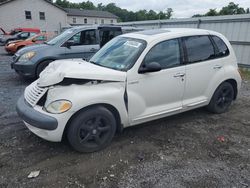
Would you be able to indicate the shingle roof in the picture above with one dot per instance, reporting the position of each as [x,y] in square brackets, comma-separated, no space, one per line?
[8,1]
[89,13]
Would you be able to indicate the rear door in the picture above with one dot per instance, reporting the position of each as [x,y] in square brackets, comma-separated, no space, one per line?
[202,69]
[85,45]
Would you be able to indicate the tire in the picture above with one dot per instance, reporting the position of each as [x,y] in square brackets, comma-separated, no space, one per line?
[41,66]
[222,98]
[91,130]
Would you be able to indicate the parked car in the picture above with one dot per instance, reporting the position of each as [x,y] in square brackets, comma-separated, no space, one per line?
[18,30]
[14,46]
[19,36]
[76,42]
[135,78]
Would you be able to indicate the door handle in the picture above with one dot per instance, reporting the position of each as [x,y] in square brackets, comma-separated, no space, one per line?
[93,50]
[217,67]
[179,75]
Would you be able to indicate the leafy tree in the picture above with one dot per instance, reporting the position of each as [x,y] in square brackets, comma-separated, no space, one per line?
[232,9]
[123,14]
[212,12]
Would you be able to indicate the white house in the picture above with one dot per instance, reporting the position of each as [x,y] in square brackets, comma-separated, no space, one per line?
[83,17]
[32,13]
[47,16]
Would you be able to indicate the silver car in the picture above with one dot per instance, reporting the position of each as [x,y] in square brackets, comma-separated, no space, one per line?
[77,42]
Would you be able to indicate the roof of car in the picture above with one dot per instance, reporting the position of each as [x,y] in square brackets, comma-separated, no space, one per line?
[150,35]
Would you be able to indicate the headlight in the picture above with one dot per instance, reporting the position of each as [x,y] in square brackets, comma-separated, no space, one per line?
[27,56]
[11,45]
[58,107]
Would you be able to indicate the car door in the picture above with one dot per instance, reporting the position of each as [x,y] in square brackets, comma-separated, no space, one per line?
[84,44]
[202,68]
[108,33]
[157,94]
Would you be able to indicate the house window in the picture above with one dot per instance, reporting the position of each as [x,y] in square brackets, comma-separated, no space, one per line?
[42,15]
[28,15]
[74,20]
[102,21]
[85,20]
[111,21]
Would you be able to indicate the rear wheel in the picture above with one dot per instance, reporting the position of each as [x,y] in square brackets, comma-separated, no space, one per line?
[222,98]
[92,130]
[41,66]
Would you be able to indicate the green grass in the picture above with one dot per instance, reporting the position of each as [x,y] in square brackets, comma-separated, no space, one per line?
[245,74]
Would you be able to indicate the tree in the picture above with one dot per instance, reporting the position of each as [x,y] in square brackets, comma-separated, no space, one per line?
[212,12]
[123,14]
[232,9]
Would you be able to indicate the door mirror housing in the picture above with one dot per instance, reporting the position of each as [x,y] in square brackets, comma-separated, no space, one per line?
[151,67]
[69,43]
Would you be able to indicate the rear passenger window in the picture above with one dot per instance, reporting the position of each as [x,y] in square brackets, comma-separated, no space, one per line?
[222,47]
[166,53]
[199,48]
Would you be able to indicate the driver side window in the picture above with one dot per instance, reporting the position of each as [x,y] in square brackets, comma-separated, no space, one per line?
[24,35]
[166,53]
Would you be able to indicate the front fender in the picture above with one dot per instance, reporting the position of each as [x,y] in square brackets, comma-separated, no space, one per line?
[82,96]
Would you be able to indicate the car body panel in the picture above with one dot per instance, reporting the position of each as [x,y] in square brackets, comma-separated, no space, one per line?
[137,97]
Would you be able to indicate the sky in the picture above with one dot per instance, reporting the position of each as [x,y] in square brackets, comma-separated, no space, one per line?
[182,8]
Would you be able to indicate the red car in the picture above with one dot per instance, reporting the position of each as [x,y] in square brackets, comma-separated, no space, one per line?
[14,46]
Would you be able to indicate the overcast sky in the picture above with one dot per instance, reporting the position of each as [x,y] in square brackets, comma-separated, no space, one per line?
[182,8]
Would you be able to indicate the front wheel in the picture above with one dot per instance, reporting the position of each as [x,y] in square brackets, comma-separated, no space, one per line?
[92,129]
[41,66]
[222,98]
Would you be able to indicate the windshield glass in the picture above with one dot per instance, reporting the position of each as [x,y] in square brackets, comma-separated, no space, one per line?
[120,53]
[60,37]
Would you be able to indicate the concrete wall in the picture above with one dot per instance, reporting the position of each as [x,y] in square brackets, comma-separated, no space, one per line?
[236,28]
[90,20]
[12,15]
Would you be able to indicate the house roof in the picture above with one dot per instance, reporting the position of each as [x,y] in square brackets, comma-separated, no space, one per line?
[8,1]
[89,13]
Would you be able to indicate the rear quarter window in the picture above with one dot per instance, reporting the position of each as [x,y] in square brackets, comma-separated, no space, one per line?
[222,49]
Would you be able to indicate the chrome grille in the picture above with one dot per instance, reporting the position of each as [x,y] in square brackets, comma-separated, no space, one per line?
[33,93]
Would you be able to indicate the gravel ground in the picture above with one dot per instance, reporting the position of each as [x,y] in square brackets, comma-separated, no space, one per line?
[193,149]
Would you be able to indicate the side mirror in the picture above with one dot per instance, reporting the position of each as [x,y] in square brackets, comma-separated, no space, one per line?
[33,40]
[69,43]
[151,67]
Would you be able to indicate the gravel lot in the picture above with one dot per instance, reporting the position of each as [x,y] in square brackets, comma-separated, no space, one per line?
[193,149]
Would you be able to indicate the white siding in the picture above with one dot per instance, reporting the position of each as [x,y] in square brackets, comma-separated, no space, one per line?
[12,15]
[90,20]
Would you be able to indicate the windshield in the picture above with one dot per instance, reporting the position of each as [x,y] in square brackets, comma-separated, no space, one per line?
[60,37]
[120,53]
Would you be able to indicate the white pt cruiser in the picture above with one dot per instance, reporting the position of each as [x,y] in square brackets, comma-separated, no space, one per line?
[135,78]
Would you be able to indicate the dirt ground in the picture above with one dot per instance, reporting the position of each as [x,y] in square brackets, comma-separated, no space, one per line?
[193,149]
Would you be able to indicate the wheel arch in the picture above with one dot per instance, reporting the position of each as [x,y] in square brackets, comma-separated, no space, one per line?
[233,82]
[110,107]
[41,61]
[235,86]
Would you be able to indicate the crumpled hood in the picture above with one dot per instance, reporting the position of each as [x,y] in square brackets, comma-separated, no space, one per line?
[77,69]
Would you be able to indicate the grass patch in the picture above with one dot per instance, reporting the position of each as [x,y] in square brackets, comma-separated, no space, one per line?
[245,74]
